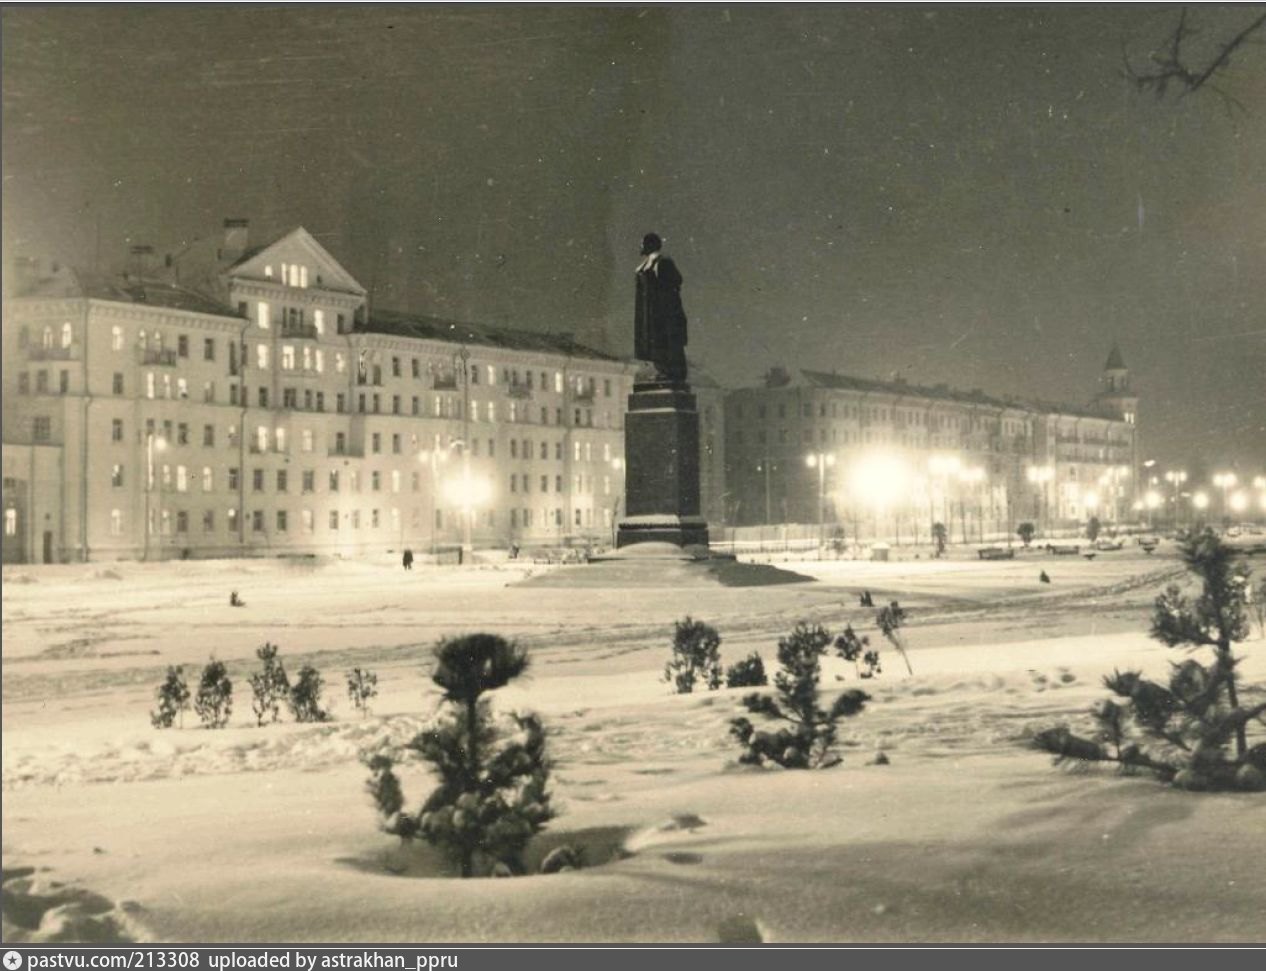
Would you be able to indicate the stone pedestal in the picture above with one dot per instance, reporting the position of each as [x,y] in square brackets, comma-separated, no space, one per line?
[661,454]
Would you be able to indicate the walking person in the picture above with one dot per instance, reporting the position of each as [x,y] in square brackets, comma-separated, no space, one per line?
[407,559]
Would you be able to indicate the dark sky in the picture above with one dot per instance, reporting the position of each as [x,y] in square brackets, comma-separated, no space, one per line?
[971,196]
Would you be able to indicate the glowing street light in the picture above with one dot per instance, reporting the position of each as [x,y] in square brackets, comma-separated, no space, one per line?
[1041,475]
[467,492]
[1176,478]
[1225,481]
[821,461]
[153,443]
[1200,500]
[1239,501]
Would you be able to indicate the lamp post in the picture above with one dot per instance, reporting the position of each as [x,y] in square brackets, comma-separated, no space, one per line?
[1200,501]
[1225,481]
[433,457]
[617,466]
[1176,478]
[153,443]
[766,466]
[1151,500]
[821,461]
[1040,475]
[972,478]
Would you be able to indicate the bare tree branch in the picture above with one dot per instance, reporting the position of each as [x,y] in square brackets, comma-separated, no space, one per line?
[1172,64]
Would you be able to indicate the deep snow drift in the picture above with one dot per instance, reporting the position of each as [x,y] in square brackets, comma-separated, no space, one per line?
[114,830]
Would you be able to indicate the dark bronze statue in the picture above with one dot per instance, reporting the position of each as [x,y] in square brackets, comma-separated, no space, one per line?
[659,328]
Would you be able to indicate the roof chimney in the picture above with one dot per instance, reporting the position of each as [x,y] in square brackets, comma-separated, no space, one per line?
[236,240]
[140,260]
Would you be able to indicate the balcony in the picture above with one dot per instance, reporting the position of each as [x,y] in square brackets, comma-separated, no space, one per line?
[519,391]
[38,353]
[161,356]
[346,452]
[299,331]
[584,395]
[445,382]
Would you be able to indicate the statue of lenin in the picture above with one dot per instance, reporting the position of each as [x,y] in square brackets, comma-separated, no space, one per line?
[659,328]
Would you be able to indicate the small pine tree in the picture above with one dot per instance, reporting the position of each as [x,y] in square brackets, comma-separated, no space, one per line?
[491,798]
[940,536]
[808,740]
[696,657]
[1193,731]
[173,699]
[362,685]
[1259,606]
[214,701]
[747,673]
[1026,531]
[305,696]
[1093,526]
[890,620]
[852,647]
[270,686]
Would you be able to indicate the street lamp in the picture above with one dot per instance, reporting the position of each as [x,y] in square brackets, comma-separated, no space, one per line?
[1200,501]
[1176,477]
[153,443]
[1040,475]
[1225,481]
[1239,502]
[468,492]
[433,457]
[821,461]
[970,477]
[1152,500]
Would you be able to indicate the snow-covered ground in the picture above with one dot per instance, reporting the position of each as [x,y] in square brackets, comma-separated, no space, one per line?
[114,829]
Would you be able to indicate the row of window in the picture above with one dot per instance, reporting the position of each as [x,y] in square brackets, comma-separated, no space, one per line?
[166,522]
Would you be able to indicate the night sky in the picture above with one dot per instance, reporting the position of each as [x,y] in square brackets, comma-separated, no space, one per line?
[968,196]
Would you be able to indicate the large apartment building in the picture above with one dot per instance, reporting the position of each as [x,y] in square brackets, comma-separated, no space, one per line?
[267,410]
[887,458]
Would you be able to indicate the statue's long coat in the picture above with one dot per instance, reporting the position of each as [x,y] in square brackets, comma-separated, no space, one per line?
[659,326]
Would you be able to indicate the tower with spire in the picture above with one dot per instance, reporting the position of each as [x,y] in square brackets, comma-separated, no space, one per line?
[1115,393]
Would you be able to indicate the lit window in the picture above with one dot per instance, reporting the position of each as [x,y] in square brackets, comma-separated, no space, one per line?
[395,480]
[11,522]
[182,479]
[116,339]
[307,439]
[492,374]
[320,360]
[149,384]
[303,276]
[268,271]
[318,321]
[262,315]
[261,356]
[116,522]
[558,381]
[287,357]
[261,438]
[208,479]
[67,335]
[281,439]
[340,362]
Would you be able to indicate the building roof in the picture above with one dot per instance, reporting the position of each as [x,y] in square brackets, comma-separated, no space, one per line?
[71,283]
[941,392]
[422,326]
[1115,361]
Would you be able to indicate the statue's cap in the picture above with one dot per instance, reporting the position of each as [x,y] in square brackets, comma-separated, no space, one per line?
[651,243]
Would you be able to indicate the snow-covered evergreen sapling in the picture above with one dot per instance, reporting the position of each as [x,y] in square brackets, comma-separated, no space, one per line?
[1193,731]
[808,736]
[305,696]
[696,657]
[269,687]
[890,620]
[748,672]
[173,699]
[493,796]
[1026,532]
[214,701]
[856,648]
[362,685]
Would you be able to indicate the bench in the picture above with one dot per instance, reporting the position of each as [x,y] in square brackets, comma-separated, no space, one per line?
[996,553]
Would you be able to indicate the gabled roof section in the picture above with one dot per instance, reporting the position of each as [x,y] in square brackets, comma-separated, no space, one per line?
[296,246]
[1115,361]
[71,283]
[398,324]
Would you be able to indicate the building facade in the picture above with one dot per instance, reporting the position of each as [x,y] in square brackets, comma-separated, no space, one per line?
[888,459]
[267,411]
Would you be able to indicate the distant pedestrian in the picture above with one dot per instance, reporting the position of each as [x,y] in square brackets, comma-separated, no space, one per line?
[407,559]
[514,551]
[235,600]
[1043,578]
